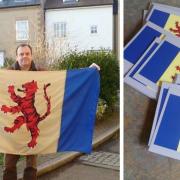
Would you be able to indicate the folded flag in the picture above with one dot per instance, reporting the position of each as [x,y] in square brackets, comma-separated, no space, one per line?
[161,99]
[140,42]
[151,62]
[48,111]
[166,18]
[166,138]
[129,78]
[162,21]
[162,65]
[138,45]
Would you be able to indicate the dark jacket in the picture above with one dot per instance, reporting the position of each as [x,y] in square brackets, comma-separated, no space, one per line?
[33,67]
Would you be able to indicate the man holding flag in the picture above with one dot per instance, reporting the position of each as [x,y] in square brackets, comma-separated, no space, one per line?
[23,62]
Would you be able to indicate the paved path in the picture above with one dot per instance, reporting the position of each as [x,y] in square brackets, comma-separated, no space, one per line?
[97,166]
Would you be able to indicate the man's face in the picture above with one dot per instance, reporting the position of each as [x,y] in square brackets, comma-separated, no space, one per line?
[24,57]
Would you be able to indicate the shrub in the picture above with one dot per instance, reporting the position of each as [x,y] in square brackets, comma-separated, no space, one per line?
[8,62]
[101,109]
[109,70]
[1,159]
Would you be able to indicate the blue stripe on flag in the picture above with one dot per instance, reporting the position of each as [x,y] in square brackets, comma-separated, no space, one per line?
[79,110]
[163,98]
[159,62]
[136,49]
[169,131]
[144,59]
[159,18]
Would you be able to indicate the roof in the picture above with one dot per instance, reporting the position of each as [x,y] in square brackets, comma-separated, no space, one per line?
[56,4]
[18,3]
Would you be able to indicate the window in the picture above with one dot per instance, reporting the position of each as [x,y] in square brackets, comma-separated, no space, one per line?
[60,29]
[22,30]
[70,1]
[94,29]
[1,58]
[22,0]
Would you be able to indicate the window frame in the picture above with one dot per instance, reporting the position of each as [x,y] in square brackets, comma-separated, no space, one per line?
[20,1]
[93,29]
[18,31]
[60,29]
[70,1]
[3,52]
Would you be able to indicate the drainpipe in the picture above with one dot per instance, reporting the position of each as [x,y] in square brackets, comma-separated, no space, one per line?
[115,28]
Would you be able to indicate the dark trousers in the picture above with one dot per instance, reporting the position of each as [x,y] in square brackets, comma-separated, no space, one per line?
[10,162]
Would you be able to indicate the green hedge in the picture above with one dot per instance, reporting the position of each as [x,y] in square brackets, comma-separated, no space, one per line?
[1,159]
[109,72]
[8,62]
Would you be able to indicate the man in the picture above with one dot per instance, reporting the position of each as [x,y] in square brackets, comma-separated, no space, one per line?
[24,62]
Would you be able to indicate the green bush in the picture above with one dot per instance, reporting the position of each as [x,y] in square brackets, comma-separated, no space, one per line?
[101,109]
[1,159]
[109,72]
[8,62]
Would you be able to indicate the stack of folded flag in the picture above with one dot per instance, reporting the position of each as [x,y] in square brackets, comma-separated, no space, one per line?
[151,62]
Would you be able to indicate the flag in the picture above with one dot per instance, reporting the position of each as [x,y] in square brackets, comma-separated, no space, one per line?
[138,45]
[129,78]
[44,112]
[168,134]
[171,71]
[141,42]
[166,20]
[147,53]
[162,65]
[166,138]
[161,99]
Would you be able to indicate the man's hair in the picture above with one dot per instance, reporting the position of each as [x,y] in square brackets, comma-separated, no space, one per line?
[23,45]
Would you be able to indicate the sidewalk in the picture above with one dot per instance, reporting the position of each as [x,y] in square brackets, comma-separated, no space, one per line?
[103,131]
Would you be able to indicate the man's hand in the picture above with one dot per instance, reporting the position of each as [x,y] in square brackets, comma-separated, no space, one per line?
[94,65]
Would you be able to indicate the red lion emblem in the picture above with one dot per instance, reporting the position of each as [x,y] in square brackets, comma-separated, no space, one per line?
[177,30]
[25,105]
[177,69]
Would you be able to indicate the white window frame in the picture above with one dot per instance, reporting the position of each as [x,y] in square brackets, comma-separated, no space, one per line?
[2,63]
[18,36]
[21,1]
[69,1]
[60,29]
[94,29]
